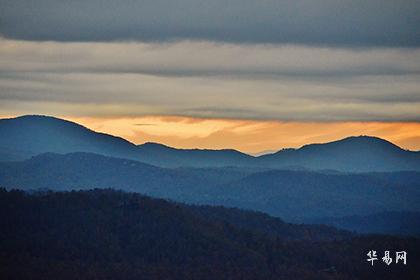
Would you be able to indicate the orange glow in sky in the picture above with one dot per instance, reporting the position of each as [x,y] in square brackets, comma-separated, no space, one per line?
[249,136]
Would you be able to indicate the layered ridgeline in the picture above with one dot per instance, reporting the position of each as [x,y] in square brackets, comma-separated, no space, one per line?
[105,234]
[293,195]
[298,185]
[27,136]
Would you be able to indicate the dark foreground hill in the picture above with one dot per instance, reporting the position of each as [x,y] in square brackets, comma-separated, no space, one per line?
[282,193]
[27,136]
[105,234]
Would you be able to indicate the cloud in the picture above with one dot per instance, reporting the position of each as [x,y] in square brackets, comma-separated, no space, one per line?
[210,80]
[205,59]
[309,22]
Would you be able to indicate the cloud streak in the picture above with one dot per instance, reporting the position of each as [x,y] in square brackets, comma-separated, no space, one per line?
[205,59]
[309,22]
[210,80]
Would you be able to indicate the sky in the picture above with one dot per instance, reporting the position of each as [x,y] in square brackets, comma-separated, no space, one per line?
[244,74]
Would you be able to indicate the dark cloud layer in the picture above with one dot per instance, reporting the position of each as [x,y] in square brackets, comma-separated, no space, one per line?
[311,22]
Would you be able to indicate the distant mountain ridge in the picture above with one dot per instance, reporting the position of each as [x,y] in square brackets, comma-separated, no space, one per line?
[27,136]
[351,154]
[401,223]
[281,193]
[32,135]
[162,155]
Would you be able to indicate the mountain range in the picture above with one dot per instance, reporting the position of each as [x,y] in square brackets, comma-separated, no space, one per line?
[289,194]
[348,183]
[27,136]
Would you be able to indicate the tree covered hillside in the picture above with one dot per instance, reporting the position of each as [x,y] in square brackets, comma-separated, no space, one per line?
[104,234]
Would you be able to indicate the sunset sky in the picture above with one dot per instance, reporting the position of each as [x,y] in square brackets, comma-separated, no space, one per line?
[250,75]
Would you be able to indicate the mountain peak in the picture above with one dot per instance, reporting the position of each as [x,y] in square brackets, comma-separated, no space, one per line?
[366,138]
[43,120]
[38,118]
[356,142]
[352,154]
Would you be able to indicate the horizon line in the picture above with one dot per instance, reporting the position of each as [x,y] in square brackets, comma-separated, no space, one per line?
[261,151]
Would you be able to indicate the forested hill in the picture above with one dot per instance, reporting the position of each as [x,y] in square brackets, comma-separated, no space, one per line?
[105,234]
